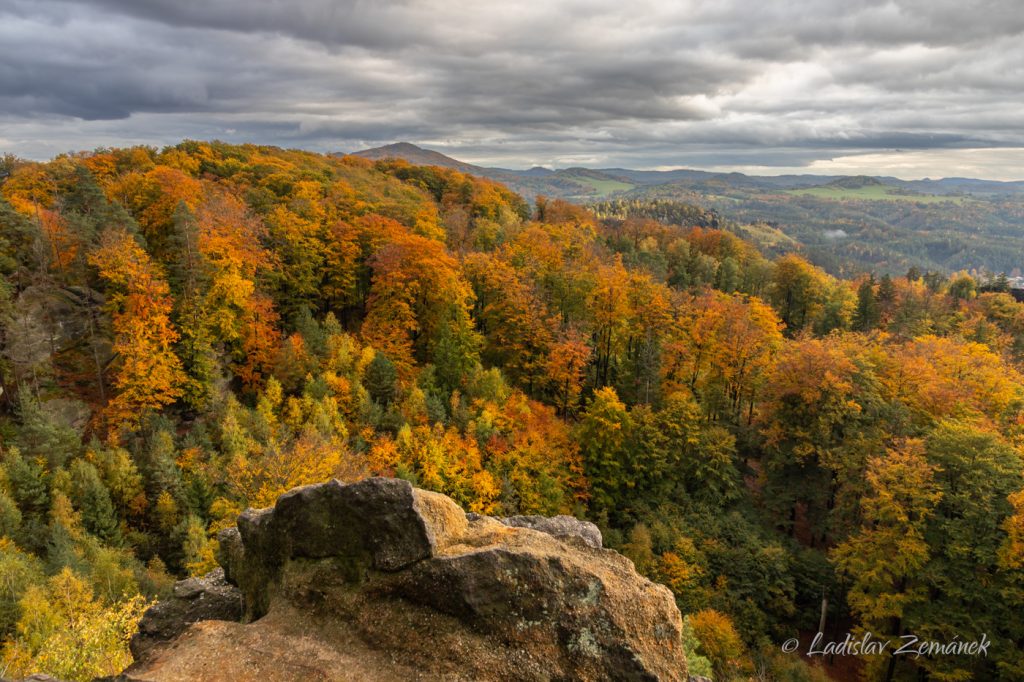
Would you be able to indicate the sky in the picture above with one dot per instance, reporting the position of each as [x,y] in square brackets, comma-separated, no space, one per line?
[909,88]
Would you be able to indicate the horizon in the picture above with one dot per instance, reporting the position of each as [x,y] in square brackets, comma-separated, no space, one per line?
[488,162]
[907,89]
[758,171]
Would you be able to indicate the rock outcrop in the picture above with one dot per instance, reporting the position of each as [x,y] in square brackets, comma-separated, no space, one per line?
[196,599]
[379,580]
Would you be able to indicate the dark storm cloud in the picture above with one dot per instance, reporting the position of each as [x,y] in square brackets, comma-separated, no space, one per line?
[647,83]
[372,24]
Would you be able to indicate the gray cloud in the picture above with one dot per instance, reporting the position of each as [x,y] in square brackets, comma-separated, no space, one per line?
[649,83]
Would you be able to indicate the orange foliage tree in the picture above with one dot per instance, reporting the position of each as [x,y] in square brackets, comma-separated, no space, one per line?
[148,374]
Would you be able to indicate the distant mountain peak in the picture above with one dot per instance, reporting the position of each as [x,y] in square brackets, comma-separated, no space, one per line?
[417,156]
[401,147]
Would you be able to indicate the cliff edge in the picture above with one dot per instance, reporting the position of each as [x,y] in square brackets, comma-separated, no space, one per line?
[378,580]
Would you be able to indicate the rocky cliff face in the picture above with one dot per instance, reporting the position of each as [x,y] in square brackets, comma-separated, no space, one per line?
[378,580]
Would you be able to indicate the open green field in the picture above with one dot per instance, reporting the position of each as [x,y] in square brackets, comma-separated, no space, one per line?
[873,193]
[602,187]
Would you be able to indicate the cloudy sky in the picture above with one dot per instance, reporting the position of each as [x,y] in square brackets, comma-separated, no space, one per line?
[911,88]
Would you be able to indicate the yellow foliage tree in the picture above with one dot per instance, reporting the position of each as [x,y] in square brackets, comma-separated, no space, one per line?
[64,631]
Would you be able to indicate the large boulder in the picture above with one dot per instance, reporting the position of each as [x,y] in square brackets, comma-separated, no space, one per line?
[378,580]
[383,520]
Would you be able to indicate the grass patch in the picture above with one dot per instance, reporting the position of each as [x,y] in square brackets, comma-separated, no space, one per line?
[873,193]
[601,186]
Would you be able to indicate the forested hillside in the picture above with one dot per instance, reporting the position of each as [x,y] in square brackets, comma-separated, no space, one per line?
[188,332]
[876,228]
[848,225]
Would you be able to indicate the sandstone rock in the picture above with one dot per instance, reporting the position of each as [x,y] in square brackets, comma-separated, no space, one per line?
[374,519]
[559,526]
[379,524]
[378,580]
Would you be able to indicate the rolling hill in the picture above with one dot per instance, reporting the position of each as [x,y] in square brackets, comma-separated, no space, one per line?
[846,224]
[590,183]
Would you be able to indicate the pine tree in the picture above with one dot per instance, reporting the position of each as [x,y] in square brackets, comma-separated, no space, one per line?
[380,379]
[868,312]
[92,499]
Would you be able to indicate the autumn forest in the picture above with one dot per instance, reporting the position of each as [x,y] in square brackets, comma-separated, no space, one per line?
[188,332]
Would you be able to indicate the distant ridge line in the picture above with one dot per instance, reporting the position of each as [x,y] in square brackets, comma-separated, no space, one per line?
[586,184]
